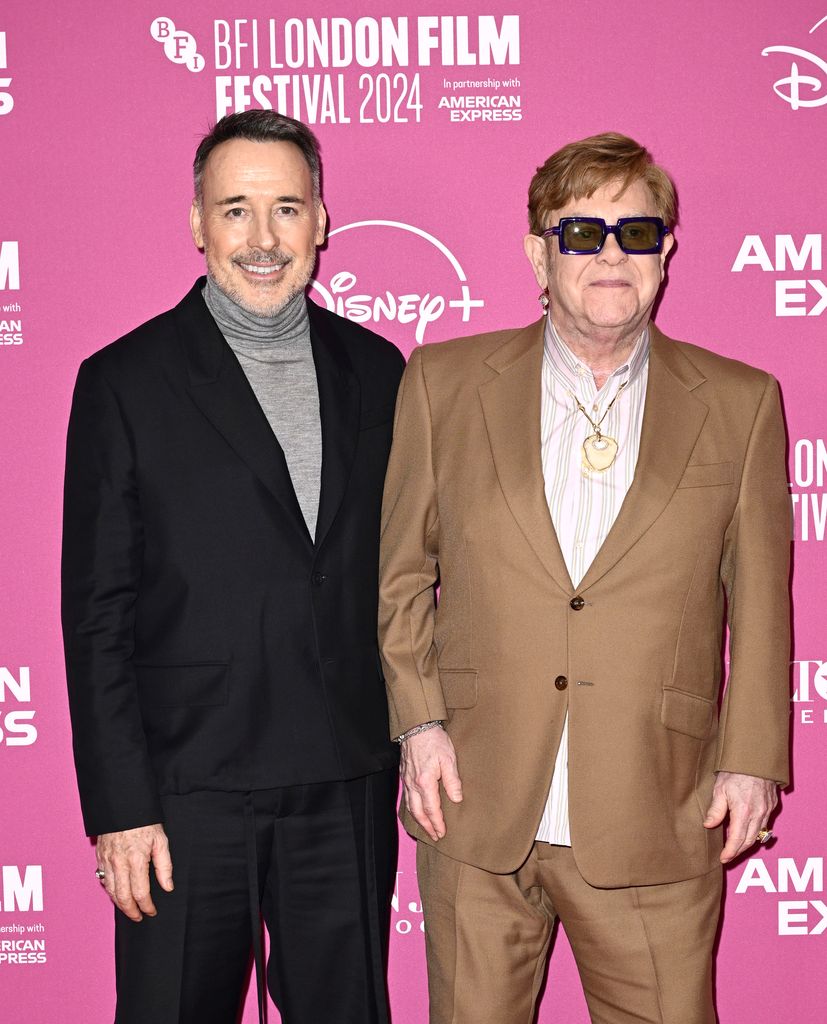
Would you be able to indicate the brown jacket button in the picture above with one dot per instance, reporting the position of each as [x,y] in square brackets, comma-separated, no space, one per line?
[577,603]
[561,682]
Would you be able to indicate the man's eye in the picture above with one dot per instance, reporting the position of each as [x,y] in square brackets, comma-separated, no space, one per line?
[235,213]
[286,211]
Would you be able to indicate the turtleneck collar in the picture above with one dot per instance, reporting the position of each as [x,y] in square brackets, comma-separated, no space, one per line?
[290,323]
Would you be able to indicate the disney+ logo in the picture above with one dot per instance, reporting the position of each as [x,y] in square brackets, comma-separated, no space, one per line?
[790,88]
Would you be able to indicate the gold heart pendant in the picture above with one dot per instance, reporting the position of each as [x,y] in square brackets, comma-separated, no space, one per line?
[599,452]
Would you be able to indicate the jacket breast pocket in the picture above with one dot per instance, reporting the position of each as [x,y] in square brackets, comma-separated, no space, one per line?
[686,713]
[195,685]
[459,687]
[712,475]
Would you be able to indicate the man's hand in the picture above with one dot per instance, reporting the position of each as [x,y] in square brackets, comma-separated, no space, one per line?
[124,858]
[749,801]
[426,758]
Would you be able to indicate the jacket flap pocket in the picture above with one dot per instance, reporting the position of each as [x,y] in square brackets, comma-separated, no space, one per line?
[711,475]
[686,713]
[194,685]
[459,687]
[376,416]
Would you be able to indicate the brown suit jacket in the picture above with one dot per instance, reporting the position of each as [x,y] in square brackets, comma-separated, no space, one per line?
[704,530]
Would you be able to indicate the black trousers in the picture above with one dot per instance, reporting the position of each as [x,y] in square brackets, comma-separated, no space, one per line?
[317,862]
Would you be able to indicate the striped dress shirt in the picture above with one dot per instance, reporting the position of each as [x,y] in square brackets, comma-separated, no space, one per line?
[583,503]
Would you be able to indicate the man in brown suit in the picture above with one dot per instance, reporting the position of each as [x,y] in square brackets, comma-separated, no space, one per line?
[594,501]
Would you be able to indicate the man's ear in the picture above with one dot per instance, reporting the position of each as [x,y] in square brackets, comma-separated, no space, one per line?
[195,225]
[668,242]
[321,223]
[535,250]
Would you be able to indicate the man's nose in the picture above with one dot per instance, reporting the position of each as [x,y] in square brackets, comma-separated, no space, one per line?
[611,252]
[264,234]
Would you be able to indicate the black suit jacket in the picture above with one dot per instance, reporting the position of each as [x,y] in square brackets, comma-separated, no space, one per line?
[210,644]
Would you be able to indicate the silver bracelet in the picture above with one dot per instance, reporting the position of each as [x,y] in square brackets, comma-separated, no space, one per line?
[417,729]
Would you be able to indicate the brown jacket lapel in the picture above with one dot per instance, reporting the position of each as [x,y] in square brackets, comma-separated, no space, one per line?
[672,420]
[511,407]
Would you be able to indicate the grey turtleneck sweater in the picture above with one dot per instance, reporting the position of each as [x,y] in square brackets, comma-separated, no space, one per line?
[277,359]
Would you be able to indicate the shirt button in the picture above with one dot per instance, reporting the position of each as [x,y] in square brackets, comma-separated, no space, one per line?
[577,603]
[561,682]
[318,579]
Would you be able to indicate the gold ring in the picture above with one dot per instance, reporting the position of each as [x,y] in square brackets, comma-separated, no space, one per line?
[764,836]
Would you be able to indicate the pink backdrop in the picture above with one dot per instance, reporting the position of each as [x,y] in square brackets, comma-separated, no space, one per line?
[101,106]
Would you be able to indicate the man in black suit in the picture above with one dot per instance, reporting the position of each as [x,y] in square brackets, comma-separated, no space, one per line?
[223,489]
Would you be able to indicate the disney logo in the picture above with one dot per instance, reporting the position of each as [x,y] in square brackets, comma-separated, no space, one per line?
[405,309]
[795,81]
[409,308]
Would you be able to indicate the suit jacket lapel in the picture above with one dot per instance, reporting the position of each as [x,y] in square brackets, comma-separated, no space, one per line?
[220,389]
[339,403]
[672,420]
[511,407]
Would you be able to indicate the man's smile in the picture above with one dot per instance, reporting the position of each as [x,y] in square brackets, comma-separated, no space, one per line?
[262,270]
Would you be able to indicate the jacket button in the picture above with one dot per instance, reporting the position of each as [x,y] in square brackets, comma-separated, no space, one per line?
[577,603]
[318,578]
[561,682]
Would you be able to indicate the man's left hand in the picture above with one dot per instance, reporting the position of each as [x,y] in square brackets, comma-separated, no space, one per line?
[749,801]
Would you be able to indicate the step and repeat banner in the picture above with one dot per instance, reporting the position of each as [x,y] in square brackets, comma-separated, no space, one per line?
[432,120]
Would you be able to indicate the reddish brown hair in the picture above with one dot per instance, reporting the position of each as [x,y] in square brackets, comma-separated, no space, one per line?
[579,169]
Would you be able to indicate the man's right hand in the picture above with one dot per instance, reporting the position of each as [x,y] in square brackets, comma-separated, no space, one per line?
[428,757]
[124,858]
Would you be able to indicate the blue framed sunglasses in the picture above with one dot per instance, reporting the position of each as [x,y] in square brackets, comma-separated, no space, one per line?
[585,236]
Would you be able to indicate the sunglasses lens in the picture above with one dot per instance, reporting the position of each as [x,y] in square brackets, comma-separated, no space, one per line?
[582,235]
[640,236]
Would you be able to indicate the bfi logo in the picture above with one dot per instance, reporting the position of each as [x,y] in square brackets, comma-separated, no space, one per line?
[22,893]
[16,726]
[9,261]
[6,98]
[179,47]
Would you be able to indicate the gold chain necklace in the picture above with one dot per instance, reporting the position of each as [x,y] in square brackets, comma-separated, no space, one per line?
[599,450]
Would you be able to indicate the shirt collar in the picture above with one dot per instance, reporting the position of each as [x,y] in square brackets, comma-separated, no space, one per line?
[571,371]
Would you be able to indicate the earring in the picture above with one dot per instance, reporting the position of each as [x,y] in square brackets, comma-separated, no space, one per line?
[542,298]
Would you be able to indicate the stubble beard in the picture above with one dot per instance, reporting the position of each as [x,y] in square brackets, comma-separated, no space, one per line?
[222,278]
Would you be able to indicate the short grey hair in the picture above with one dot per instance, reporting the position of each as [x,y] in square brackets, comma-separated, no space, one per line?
[259,126]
